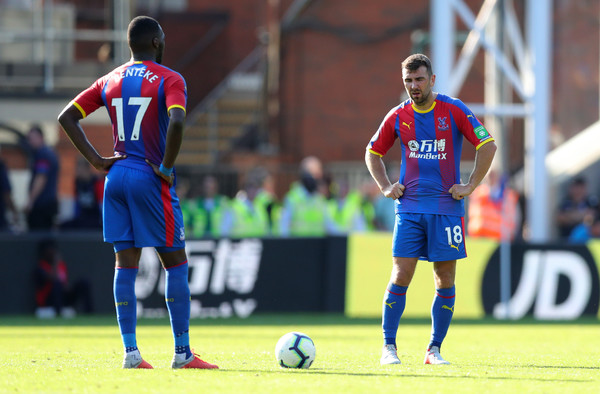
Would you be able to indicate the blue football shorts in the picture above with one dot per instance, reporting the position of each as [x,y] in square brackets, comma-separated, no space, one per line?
[140,209]
[429,237]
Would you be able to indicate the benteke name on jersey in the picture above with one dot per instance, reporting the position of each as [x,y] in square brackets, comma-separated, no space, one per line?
[140,72]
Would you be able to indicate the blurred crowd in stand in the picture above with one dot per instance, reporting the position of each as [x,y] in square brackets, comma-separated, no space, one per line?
[316,204]
[40,208]
[578,216]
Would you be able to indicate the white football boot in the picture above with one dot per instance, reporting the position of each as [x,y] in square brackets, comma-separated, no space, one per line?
[179,361]
[389,355]
[433,356]
[133,360]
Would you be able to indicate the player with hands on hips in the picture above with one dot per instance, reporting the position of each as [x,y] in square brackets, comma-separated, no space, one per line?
[146,104]
[429,196]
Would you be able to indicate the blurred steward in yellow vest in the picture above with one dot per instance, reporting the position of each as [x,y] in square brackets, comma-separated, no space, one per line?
[305,212]
[266,198]
[494,208]
[347,209]
[249,208]
[208,216]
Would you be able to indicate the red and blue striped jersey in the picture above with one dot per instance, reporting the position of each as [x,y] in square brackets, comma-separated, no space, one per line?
[138,96]
[431,143]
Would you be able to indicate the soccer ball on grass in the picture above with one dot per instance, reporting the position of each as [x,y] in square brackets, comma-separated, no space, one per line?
[295,350]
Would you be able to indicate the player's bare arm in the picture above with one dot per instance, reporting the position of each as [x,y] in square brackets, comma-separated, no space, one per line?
[376,167]
[483,161]
[69,120]
[173,143]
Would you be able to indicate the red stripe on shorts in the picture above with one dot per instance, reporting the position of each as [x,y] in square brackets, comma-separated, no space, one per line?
[168,213]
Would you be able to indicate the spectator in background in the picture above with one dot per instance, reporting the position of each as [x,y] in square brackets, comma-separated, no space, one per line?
[210,214]
[346,208]
[89,188]
[367,195]
[494,209]
[6,201]
[575,207]
[250,216]
[265,197]
[305,212]
[183,188]
[587,230]
[42,203]
[54,294]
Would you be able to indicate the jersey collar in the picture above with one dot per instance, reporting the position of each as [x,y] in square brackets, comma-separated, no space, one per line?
[424,111]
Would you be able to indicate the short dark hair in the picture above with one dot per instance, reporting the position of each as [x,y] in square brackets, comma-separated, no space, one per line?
[35,128]
[414,62]
[142,29]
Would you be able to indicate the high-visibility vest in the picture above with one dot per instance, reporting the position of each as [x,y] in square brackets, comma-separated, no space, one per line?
[249,221]
[207,223]
[264,198]
[486,216]
[345,215]
[308,213]
[368,210]
[187,212]
[267,201]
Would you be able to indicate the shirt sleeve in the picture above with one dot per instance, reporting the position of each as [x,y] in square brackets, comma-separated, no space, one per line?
[385,136]
[471,127]
[42,166]
[90,99]
[175,92]
[43,163]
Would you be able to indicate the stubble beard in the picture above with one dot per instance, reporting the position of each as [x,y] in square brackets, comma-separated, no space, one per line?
[423,99]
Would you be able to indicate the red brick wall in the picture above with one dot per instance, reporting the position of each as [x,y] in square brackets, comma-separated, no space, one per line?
[336,86]
[245,18]
[335,90]
[14,157]
[204,71]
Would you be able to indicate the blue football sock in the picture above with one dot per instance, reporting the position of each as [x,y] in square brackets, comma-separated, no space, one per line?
[125,302]
[177,295]
[394,302]
[442,310]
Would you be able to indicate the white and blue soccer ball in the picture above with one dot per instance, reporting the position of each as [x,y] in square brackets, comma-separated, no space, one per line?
[295,350]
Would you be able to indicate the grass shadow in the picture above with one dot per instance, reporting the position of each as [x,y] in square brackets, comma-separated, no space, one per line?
[260,319]
[319,371]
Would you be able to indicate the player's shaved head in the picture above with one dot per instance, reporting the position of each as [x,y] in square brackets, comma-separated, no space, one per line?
[414,62]
[141,32]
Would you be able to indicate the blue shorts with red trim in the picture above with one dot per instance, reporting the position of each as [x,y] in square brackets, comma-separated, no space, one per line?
[141,208]
[429,237]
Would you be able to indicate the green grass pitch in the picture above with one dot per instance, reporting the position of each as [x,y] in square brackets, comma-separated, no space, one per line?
[84,355]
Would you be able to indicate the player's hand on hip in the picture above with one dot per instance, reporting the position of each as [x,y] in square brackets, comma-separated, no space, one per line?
[169,179]
[393,191]
[107,162]
[460,191]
